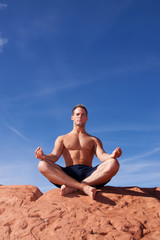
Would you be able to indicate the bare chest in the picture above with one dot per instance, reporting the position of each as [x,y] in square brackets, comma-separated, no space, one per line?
[79,143]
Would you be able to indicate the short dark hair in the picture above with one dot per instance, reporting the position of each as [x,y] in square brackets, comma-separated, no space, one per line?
[80,106]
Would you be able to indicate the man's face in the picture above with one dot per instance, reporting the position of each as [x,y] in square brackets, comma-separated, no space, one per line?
[79,117]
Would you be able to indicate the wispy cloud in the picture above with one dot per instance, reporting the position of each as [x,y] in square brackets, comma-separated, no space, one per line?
[3,41]
[138,128]
[49,90]
[140,156]
[141,179]
[138,166]
[3,6]
[138,174]
[26,173]
[65,86]
[14,130]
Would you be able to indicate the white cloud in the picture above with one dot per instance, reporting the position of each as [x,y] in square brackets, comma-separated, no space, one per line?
[17,173]
[50,90]
[138,128]
[3,6]
[142,179]
[3,41]
[132,167]
[144,174]
[14,130]
[146,154]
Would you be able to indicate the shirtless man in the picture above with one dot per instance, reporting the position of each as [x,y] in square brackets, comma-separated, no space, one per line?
[78,149]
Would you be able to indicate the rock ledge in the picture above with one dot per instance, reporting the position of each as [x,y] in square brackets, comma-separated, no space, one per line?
[118,213]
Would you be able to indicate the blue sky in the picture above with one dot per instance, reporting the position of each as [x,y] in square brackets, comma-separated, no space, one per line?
[56,54]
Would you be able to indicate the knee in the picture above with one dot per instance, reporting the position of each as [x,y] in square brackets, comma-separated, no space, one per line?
[43,167]
[114,165]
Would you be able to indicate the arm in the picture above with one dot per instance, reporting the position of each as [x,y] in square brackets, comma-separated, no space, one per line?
[102,155]
[55,154]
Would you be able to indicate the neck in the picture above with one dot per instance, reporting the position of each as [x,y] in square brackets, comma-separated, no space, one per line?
[78,129]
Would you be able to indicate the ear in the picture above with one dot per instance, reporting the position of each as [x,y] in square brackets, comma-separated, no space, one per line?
[72,117]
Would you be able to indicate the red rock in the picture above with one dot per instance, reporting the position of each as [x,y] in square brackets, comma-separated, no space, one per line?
[117,213]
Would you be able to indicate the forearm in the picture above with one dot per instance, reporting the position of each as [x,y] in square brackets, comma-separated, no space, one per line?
[105,157]
[50,157]
[115,154]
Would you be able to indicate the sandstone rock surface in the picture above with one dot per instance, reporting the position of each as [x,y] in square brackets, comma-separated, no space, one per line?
[118,213]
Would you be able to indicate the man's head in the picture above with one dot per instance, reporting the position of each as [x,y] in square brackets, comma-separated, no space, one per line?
[79,115]
[80,106]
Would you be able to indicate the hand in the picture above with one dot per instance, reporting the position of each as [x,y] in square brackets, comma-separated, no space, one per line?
[116,153]
[39,153]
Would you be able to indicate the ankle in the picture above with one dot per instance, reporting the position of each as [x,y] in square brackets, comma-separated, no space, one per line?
[83,185]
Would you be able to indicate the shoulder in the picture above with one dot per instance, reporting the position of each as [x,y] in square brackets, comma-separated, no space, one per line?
[59,139]
[96,141]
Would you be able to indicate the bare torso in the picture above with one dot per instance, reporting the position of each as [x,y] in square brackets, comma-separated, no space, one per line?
[78,148]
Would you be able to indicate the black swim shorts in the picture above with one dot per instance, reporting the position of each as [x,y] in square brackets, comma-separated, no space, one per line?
[80,172]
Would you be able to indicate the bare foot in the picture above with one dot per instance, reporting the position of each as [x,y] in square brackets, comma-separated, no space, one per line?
[66,190]
[90,191]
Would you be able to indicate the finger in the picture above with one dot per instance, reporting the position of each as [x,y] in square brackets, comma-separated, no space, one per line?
[119,149]
[40,149]
[36,153]
[37,149]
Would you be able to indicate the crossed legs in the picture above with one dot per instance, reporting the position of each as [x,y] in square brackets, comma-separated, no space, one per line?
[102,174]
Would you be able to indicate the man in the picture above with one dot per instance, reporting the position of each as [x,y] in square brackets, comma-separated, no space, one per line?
[78,149]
